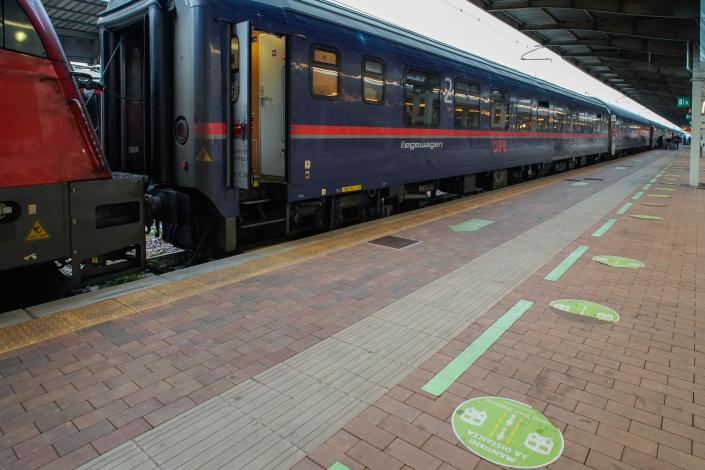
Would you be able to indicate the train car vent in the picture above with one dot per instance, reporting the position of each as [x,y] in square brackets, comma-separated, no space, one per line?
[393,242]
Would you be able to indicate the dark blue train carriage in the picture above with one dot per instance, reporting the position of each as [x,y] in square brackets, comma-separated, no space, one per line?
[257,119]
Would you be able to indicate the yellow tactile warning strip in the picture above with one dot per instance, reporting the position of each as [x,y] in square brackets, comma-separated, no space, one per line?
[61,323]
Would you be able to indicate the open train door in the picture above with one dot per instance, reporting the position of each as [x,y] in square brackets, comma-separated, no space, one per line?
[240,135]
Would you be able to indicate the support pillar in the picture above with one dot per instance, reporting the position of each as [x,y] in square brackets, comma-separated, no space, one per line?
[696,103]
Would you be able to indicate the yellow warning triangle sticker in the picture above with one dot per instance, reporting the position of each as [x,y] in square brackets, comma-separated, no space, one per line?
[204,156]
[37,232]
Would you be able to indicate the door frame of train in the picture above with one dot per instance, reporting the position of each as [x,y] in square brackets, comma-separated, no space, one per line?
[239,112]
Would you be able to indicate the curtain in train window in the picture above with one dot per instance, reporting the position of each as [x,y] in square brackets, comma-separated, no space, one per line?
[467,105]
[499,109]
[373,81]
[325,73]
[422,99]
[19,33]
[542,119]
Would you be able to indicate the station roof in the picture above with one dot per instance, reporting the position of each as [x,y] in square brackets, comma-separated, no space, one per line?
[638,47]
[75,23]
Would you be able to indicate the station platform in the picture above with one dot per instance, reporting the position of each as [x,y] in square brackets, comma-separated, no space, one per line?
[352,349]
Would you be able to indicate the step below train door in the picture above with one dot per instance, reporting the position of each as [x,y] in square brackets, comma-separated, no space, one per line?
[239,119]
[269,85]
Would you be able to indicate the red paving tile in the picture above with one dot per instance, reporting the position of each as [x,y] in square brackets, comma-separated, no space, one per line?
[108,383]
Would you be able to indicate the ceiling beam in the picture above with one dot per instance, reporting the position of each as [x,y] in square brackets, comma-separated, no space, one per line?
[655,46]
[654,8]
[649,28]
[633,56]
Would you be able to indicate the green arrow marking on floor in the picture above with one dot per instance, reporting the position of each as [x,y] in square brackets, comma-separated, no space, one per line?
[624,208]
[564,265]
[647,186]
[440,382]
[662,196]
[605,227]
[638,195]
[472,225]
[664,189]
[646,217]
[507,432]
[618,261]
[585,309]
[580,183]
[338,466]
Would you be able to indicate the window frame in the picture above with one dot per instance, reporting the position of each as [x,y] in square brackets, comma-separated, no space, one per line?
[479,101]
[532,128]
[338,68]
[407,69]
[365,58]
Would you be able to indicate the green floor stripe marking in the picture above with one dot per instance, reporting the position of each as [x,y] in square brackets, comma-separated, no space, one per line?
[624,208]
[638,195]
[472,225]
[647,186]
[580,183]
[653,180]
[564,265]
[602,230]
[440,382]
[338,466]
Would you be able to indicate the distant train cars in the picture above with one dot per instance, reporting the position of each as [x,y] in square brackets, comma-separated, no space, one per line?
[231,122]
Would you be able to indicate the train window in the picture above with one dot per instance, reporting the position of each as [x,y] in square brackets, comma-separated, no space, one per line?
[559,116]
[325,73]
[234,69]
[19,34]
[589,123]
[542,123]
[499,109]
[422,99]
[373,81]
[467,105]
[524,114]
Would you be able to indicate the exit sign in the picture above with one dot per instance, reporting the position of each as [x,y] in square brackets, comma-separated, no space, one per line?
[682,101]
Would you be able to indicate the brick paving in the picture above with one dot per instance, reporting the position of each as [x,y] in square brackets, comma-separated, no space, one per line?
[629,395]
[67,400]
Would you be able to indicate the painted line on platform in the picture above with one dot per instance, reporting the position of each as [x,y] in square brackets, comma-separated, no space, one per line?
[605,227]
[638,195]
[624,208]
[647,186]
[440,382]
[565,265]
[653,180]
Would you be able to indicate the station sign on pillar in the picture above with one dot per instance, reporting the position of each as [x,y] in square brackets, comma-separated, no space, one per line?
[697,117]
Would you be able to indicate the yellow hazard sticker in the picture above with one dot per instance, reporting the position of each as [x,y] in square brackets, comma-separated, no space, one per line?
[37,232]
[347,189]
[204,156]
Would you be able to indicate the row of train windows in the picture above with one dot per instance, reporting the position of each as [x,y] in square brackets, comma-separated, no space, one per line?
[16,31]
[422,100]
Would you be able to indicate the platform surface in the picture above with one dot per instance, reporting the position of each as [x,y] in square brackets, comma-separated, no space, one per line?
[319,353]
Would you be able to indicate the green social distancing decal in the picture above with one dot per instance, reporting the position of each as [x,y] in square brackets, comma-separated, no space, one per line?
[654,204]
[585,309]
[507,432]
[618,261]
[472,225]
[662,196]
[646,217]
[664,189]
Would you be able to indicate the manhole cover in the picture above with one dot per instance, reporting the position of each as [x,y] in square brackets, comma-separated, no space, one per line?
[393,242]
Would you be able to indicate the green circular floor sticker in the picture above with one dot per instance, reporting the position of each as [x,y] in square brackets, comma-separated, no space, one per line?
[507,432]
[586,309]
[618,261]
